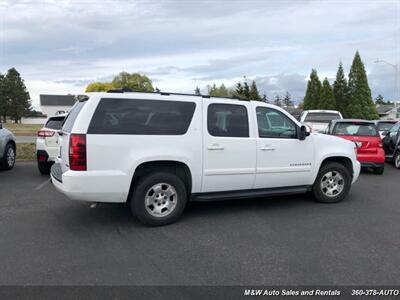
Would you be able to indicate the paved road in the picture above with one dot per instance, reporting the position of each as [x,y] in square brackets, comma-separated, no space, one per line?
[47,239]
[25,139]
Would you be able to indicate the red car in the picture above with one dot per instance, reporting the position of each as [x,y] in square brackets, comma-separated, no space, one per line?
[366,136]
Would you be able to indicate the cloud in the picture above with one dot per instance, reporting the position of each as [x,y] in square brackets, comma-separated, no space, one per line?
[65,44]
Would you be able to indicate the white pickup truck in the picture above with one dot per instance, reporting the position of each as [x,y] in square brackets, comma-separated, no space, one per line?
[318,120]
[157,151]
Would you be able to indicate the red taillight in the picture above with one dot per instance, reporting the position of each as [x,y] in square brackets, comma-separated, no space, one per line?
[45,133]
[77,152]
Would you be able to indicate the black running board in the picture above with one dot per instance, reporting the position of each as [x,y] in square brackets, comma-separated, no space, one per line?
[241,194]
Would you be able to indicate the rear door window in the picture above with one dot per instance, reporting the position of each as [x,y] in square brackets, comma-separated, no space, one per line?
[141,117]
[71,117]
[227,120]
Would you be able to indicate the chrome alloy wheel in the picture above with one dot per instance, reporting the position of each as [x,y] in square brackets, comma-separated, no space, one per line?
[332,184]
[161,200]
[10,157]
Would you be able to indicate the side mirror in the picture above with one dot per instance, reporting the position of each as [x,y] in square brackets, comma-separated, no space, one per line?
[385,132]
[303,132]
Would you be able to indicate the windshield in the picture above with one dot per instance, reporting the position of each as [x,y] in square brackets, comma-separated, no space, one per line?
[355,129]
[322,117]
[385,126]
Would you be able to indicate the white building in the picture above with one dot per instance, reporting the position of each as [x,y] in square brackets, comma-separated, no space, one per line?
[55,104]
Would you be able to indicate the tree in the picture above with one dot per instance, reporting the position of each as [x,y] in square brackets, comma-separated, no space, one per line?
[311,99]
[16,94]
[99,87]
[340,91]
[278,100]
[254,94]
[197,91]
[134,81]
[379,100]
[265,98]
[246,90]
[3,98]
[287,100]
[327,98]
[360,100]
[220,91]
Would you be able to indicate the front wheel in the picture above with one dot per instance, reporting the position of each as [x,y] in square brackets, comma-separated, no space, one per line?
[159,199]
[332,184]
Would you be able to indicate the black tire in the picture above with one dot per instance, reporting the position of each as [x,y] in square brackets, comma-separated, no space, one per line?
[397,159]
[137,201]
[379,170]
[7,163]
[44,167]
[318,191]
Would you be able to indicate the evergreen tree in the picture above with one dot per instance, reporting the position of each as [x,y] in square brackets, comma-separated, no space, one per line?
[220,91]
[287,100]
[340,91]
[197,91]
[379,100]
[278,100]
[239,91]
[265,98]
[360,100]
[311,99]
[254,94]
[17,95]
[3,98]
[246,90]
[327,98]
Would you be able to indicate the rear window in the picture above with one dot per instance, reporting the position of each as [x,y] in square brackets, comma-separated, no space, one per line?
[146,117]
[355,129]
[321,117]
[55,123]
[385,126]
[71,117]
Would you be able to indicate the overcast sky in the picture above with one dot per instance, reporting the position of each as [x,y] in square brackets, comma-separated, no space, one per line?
[60,46]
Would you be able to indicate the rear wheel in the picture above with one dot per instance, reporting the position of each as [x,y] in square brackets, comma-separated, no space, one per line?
[397,160]
[159,199]
[332,184]
[9,155]
[379,170]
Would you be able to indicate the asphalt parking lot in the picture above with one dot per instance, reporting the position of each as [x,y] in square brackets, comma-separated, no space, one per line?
[47,239]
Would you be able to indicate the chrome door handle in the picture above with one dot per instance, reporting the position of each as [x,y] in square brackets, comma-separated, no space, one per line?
[267,148]
[215,147]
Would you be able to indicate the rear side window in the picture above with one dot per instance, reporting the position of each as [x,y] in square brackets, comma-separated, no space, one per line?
[71,117]
[55,123]
[143,117]
[385,126]
[229,120]
[355,129]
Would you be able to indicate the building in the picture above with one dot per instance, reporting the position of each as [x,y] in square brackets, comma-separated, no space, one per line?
[388,111]
[52,105]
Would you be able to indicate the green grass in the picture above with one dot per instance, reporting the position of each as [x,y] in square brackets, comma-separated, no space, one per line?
[26,151]
[23,129]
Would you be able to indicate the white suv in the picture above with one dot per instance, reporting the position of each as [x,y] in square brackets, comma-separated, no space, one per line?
[157,151]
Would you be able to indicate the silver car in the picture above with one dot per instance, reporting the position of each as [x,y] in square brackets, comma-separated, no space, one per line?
[7,149]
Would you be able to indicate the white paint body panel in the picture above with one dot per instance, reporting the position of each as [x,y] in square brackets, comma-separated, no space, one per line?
[113,159]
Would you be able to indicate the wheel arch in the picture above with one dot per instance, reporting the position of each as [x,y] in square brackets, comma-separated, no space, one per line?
[176,167]
[343,160]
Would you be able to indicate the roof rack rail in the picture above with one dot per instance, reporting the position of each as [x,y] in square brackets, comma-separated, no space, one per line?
[128,90]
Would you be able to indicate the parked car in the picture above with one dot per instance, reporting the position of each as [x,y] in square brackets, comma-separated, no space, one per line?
[391,144]
[318,120]
[366,136]
[47,143]
[157,151]
[7,149]
[384,126]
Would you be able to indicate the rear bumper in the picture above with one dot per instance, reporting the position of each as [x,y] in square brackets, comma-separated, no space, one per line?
[371,165]
[91,186]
